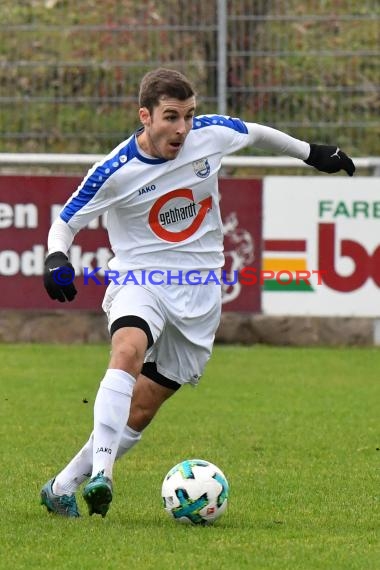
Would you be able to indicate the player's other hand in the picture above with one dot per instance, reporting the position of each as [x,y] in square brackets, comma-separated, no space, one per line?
[329,159]
[59,277]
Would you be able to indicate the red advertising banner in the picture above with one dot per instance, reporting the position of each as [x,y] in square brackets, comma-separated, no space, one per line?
[29,204]
[241,210]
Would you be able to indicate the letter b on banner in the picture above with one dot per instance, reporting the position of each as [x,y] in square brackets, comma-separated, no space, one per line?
[365,265]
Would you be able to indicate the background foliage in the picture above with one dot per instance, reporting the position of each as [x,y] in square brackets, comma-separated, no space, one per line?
[69,72]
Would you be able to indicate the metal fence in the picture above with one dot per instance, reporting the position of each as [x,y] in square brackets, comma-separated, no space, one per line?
[69,71]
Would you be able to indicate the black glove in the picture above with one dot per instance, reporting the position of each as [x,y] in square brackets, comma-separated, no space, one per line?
[329,159]
[59,277]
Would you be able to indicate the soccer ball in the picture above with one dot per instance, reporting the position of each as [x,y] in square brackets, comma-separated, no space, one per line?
[195,491]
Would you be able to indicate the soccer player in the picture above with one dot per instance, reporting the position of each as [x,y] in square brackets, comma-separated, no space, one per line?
[159,188]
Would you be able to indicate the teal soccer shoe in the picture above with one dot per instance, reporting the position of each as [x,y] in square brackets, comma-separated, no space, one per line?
[64,505]
[98,494]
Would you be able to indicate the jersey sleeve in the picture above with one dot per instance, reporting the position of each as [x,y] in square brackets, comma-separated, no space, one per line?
[91,199]
[267,138]
[229,133]
[60,236]
[233,134]
[98,191]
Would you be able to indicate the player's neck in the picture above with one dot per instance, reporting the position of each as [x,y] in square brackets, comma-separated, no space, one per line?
[143,146]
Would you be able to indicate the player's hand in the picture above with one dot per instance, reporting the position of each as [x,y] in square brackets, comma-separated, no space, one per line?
[59,277]
[329,159]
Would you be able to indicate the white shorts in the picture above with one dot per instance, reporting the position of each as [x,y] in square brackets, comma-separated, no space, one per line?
[182,320]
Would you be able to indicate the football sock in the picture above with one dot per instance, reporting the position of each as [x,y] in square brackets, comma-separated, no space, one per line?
[111,411]
[76,472]
[80,467]
[129,438]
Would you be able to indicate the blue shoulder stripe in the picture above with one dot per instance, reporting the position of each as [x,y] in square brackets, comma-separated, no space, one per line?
[94,181]
[220,120]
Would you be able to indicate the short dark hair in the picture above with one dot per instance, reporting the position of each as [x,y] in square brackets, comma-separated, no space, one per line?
[163,82]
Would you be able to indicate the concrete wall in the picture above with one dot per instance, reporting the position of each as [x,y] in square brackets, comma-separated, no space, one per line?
[90,327]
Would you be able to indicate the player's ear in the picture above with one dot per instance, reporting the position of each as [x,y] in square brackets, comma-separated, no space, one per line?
[144,116]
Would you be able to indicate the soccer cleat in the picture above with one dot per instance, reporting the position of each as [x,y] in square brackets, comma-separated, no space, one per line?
[98,494]
[64,505]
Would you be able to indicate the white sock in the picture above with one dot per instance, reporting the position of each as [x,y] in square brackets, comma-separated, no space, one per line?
[80,467]
[129,438]
[111,411]
[76,472]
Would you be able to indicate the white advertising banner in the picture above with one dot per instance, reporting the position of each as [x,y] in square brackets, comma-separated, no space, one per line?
[321,246]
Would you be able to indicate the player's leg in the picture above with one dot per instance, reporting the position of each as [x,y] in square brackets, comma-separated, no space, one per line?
[136,320]
[151,391]
[58,495]
[79,469]
[147,398]
[113,400]
[111,412]
[135,323]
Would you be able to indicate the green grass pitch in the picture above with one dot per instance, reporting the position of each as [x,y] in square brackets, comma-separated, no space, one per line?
[296,431]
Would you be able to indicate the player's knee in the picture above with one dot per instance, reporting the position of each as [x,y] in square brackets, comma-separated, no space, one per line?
[127,356]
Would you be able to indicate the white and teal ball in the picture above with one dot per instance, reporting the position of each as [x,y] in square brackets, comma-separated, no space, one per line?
[195,491]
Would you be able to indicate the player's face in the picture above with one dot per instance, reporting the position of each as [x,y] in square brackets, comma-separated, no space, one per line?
[166,128]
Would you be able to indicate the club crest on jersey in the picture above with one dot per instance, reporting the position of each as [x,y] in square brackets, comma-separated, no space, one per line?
[201,167]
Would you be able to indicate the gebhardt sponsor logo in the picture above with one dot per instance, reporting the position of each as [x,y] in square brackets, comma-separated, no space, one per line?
[173,215]
[167,211]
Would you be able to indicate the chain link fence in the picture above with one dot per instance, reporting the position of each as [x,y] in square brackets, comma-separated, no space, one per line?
[69,71]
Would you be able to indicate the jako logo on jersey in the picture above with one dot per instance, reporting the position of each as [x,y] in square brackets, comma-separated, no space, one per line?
[160,217]
[201,167]
[147,189]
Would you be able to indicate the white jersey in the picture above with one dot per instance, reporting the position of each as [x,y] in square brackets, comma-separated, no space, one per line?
[163,213]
